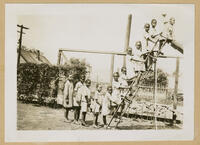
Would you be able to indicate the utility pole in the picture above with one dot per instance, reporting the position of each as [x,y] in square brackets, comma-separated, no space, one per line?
[20,42]
[128,31]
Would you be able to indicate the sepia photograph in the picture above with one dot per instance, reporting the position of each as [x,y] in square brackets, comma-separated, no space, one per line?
[119,70]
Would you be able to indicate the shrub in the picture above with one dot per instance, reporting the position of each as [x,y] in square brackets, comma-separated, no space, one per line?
[37,83]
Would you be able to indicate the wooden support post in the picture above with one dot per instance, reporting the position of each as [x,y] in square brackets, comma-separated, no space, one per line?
[65,58]
[155,93]
[176,84]
[59,57]
[128,31]
[97,78]
[20,42]
[112,68]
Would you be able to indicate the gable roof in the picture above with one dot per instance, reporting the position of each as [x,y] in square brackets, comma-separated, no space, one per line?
[31,56]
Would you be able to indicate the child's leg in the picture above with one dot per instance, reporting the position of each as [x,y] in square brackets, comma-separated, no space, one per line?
[161,42]
[75,113]
[78,113]
[66,113]
[111,110]
[116,114]
[151,59]
[83,116]
[96,120]
[83,119]
[104,120]
[146,62]
[137,79]
[121,109]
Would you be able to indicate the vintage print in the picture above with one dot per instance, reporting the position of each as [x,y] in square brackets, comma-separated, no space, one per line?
[103,67]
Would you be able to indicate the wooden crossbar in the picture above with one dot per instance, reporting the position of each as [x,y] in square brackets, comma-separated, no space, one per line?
[108,52]
[93,51]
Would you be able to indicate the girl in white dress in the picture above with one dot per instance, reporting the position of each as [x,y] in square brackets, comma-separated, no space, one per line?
[76,99]
[61,84]
[106,104]
[116,94]
[68,97]
[84,94]
[97,104]
[123,79]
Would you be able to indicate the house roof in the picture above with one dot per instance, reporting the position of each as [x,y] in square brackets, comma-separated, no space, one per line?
[31,56]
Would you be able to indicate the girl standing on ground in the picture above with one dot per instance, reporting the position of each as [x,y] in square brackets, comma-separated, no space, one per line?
[77,107]
[106,104]
[84,94]
[97,104]
[68,97]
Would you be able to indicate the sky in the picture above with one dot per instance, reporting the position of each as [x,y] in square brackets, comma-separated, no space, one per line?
[101,27]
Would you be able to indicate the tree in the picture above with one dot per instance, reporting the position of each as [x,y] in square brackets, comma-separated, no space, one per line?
[162,79]
[77,67]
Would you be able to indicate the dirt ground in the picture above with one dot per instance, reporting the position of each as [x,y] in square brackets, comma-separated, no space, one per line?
[34,117]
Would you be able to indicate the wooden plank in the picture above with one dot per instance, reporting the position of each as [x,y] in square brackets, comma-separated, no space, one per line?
[177,46]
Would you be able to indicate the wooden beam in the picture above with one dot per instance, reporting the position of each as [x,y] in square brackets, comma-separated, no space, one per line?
[20,32]
[165,56]
[93,51]
[21,26]
[176,84]
[59,58]
[155,92]
[107,52]
[112,68]
[64,56]
[128,31]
